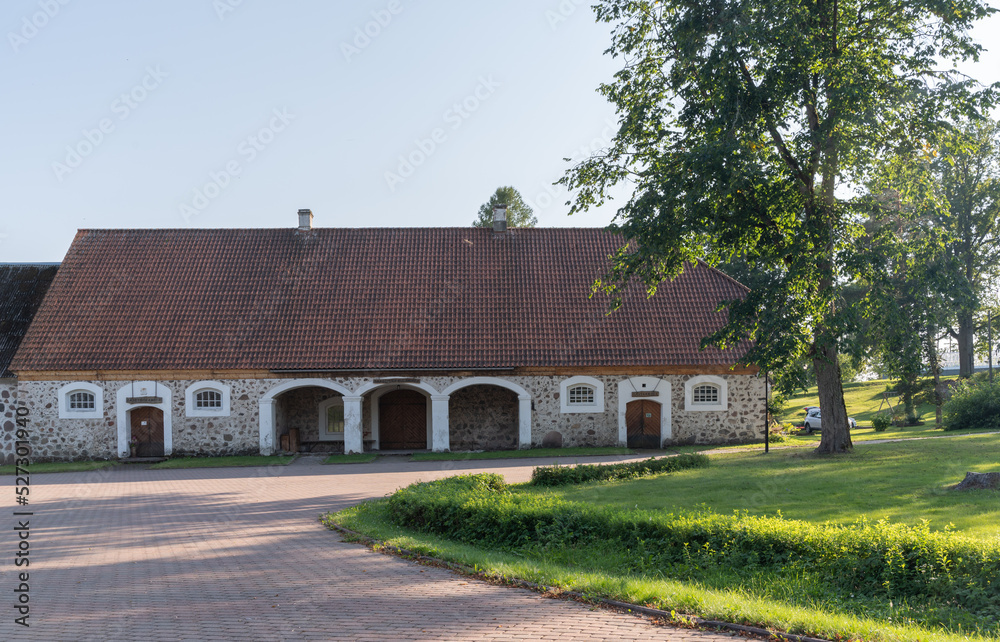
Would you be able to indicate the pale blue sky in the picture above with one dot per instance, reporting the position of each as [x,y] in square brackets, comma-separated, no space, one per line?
[286,107]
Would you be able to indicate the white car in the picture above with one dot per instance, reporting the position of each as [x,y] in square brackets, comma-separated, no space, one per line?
[814,420]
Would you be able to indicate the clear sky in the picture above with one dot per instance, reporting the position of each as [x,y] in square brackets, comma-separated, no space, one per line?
[236,113]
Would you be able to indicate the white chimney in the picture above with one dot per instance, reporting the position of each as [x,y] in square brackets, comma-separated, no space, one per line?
[500,218]
[305,220]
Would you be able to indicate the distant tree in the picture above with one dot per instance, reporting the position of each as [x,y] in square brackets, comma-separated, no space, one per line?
[518,212]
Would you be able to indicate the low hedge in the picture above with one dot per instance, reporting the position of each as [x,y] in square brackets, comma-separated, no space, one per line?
[562,475]
[877,559]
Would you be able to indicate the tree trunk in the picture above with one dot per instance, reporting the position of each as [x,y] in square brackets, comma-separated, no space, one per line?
[836,432]
[966,349]
[935,365]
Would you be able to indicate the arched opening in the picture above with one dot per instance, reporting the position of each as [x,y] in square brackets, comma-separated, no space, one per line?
[311,419]
[642,424]
[402,420]
[483,417]
[146,431]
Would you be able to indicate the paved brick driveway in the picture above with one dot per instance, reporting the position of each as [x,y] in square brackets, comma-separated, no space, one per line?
[237,554]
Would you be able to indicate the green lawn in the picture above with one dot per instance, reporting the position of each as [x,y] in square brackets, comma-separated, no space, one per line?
[862,398]
[61,467]
[904,482]
[517,454]
[356,458]
[217,462]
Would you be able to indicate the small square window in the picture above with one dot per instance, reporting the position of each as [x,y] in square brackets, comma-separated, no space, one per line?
[208,400]
[82,401]
[581,396]
[705,394]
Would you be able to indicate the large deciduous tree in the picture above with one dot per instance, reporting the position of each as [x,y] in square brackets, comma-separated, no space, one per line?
[744,125]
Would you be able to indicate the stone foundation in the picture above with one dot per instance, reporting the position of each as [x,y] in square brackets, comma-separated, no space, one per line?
[481,417]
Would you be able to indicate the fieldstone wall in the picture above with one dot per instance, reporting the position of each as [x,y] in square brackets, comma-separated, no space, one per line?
[742,423]
[481,416]
[8,420]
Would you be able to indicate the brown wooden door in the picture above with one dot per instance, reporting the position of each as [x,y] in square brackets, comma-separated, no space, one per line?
[642,423]
[147,429]
[402,420]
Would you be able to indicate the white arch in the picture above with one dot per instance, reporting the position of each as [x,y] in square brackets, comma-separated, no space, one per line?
[419,385]
[381,389]
[267,421]
[487,381]
[626,393]
[693,382]
[292,384]
[123,407]
[523,403]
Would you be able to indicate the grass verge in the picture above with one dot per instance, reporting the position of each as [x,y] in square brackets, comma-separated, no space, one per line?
[904,481]
[221,462]
[518,454]
[355,458]
[61,467]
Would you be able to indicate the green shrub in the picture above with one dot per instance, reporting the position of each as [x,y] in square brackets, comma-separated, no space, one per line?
[973,405]
[890,562]
[562,475]
[881,421]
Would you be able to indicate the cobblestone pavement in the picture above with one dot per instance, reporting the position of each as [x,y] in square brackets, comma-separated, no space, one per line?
[238,554]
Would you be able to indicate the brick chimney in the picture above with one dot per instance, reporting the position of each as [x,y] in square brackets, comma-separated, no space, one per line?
[500,219]
[305,220]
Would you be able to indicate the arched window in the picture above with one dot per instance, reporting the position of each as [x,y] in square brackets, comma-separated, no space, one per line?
[705,393]
[331,419]
[80,400]
[206,399]
[581,394]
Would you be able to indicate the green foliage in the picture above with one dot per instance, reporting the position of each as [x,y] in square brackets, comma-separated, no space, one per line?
[519,214]
[881,421]
[744,126]
[952,578]
[562,475]
[973,405]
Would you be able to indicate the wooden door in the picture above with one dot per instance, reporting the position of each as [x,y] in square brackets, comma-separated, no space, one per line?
[642,424]
[147,429]
[402,420]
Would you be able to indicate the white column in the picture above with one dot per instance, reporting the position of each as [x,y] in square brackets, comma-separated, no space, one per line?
[524,421]
[440,437]
[266,425]
[353,433]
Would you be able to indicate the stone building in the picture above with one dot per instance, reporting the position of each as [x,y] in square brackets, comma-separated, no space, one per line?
[216,341]
[22,287]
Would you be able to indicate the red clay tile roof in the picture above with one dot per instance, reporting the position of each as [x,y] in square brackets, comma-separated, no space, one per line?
[369,298]
[22,287]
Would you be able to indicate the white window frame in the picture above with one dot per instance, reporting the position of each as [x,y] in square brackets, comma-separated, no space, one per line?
[566,407]
[324,407]
[97,412]
[700,380]
[191,408]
